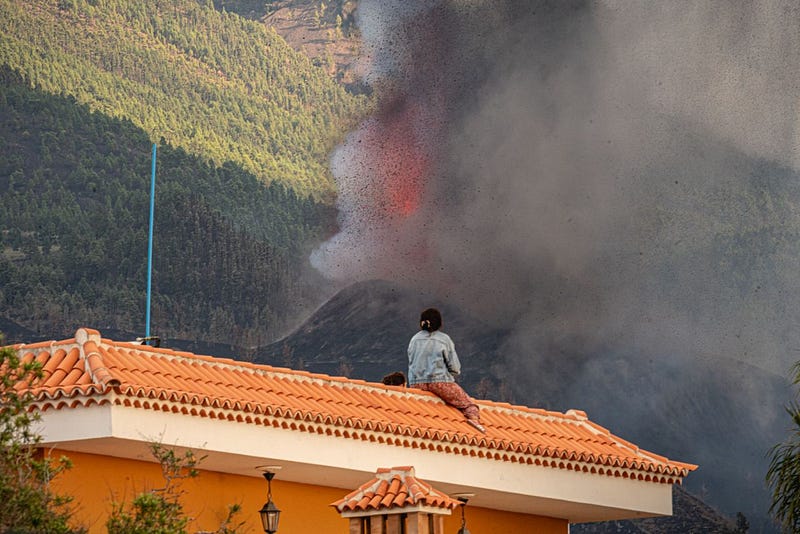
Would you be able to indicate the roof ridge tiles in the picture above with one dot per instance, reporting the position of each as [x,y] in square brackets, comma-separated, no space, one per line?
[43,344]
[95,365]
[290,374]
[539,413]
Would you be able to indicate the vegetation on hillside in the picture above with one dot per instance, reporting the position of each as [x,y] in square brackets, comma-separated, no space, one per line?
[74,194]
[324,30]
[326,12]
[213,83]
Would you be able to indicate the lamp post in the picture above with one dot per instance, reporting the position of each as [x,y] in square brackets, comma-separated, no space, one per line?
[463,498]
[269,512]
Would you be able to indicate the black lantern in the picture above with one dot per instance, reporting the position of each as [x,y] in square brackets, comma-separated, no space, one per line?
[463,498]
[269,512]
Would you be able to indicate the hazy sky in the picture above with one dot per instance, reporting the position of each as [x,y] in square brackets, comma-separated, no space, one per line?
[597,174]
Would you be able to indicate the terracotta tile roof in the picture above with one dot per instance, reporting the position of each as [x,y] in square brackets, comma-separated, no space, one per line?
[90,370]
[397,487]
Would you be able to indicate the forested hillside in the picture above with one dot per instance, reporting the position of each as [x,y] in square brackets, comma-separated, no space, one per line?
[244,126]
[324,30]
[74,193]
[213,83]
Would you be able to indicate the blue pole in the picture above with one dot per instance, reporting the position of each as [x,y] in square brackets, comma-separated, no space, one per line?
[150,242]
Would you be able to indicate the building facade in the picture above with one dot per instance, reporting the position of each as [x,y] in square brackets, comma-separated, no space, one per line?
[104,402]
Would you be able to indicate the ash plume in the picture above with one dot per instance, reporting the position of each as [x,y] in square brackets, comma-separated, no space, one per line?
[615,184]
[596,175]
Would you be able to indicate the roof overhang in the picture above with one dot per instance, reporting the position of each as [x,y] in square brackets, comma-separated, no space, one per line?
[312,456]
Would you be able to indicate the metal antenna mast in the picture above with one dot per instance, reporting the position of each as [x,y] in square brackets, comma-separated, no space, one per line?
[150,243]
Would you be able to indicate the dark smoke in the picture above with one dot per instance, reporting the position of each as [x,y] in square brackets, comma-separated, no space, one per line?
[588,171]
[601,178]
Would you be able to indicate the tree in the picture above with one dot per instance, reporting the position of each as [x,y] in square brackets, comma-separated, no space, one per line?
[27,504]
[783,475]
[159,511]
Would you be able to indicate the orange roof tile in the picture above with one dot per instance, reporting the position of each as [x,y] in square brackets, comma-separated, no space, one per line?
[397,487]
[88,369]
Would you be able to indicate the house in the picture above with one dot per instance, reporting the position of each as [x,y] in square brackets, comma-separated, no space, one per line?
[103,402]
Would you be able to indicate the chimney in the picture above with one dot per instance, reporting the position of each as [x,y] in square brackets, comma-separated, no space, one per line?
[396,502]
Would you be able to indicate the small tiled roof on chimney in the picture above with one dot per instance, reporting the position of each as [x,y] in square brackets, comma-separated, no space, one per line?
[394,489]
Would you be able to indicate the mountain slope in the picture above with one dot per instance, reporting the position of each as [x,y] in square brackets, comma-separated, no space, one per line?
[324,31]
[222,87]
[74,191]
[366,328]
[690,514]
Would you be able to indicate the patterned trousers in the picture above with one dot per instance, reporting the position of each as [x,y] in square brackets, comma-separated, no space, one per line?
[454,395]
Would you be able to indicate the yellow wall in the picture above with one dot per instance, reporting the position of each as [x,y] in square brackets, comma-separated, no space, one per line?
[485,521]
[97,481]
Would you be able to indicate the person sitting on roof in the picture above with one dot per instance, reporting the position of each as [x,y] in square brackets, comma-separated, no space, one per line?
[432,364]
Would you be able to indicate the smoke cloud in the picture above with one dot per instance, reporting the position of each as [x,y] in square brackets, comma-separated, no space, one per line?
[594,173]
[605,180]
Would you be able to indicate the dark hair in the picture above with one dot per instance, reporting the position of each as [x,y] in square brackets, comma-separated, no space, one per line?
[395,379]
[430,320]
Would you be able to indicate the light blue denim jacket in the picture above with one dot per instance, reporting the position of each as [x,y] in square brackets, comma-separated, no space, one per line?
[432,358]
